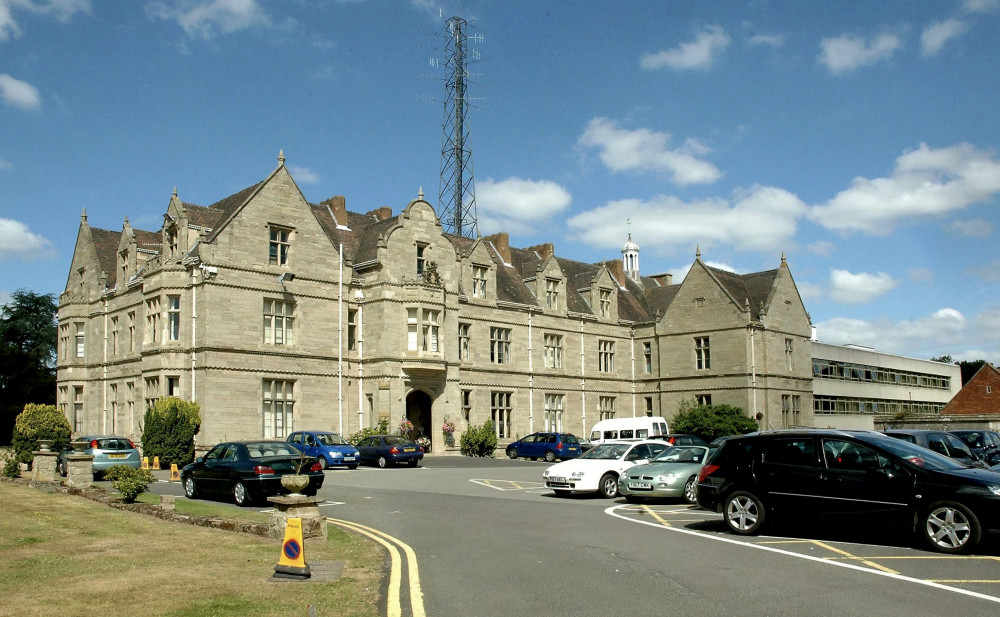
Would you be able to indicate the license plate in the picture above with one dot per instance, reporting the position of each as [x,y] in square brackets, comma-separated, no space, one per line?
[118,456]
[409,449]
[639,485]
[559,480]
[348,458]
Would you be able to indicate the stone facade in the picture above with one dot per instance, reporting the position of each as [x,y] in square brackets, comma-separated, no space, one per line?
[246,307]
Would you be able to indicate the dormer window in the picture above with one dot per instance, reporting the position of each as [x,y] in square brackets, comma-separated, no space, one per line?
[606,303]
[279,246]
[124,270]
[421,260]
[172,242]
[551,293]
[478,281]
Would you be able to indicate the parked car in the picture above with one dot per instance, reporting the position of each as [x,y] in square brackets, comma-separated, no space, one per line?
[330,449]
[107,450]
[625,429]
[550,446]
[673,473]
[754,478]
[386,450]
[677,439]
[598,469]
[249,470]
[985,444]
[941,442]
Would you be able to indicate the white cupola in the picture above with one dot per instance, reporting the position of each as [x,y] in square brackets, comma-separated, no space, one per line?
[630,259]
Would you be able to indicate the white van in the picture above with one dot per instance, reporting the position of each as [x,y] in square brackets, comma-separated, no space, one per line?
[617,429]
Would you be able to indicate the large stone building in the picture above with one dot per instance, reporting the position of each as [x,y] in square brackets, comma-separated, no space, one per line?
[272,313]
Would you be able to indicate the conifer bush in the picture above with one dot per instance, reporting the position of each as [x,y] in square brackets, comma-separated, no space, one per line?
[168,431]
[39,422]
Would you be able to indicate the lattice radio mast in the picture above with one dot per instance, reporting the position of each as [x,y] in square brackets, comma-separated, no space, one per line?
[457,188]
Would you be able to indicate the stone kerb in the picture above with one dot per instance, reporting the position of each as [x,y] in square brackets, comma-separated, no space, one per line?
[297,506]
[80,470]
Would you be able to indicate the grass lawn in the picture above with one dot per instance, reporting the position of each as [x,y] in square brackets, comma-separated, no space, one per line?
[66,555]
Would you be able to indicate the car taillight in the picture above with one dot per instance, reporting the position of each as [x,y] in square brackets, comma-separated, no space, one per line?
[93,443]
[421,448]
[316,467]
[706,471]
[559,446]
[130,444]
[394,450]
[262,470]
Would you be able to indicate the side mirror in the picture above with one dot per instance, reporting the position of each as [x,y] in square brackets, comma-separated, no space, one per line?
[199,460]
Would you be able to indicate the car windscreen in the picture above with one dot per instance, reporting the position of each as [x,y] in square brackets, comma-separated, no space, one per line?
[607,451]
[331,439]
[917,455]
[681,454]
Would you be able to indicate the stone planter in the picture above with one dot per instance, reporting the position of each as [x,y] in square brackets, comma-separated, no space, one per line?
[294,482]
[45,445]
[80,446]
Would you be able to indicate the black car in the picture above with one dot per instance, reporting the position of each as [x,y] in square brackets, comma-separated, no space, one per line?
[549,446]
[249,470]
[798,473]
[941,442]
[386,450]
[985,444]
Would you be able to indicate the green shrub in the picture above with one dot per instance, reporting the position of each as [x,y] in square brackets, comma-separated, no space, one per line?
[711,421]
[11,467]
[381,429]
[129,481]
[480,441]
[39,422]
[168,431]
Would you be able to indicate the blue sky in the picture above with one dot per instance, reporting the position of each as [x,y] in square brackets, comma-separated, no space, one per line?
[860,139]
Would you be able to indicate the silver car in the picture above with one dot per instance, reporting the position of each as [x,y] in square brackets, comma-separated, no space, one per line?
[107,450]
[673,473]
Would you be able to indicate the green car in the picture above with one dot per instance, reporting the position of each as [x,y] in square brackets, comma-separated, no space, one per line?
[673,473]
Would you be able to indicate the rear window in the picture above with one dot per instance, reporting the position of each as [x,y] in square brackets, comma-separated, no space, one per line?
[113,444]
[570,439]
[272,449]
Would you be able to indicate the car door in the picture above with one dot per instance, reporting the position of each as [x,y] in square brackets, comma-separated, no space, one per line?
[365,449]
[789,473]
[958,450]
[528,447]
[861,480]
[210,477]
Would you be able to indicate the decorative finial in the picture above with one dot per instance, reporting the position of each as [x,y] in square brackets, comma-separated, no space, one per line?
[281,157]
[628,227]
[175,191]
[420,194]
[83,216]
[697,251]
[782,256]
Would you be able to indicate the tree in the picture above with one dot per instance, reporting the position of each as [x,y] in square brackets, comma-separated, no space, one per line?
[27,356]
[711,421]
[969,368]
[945,359]
[168,431]
[39,422]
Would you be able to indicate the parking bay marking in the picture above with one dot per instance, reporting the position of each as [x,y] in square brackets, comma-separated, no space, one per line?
[613,511]
[509,485]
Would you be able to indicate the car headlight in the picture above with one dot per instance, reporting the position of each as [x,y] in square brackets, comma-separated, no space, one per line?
[336,454]
[993,488]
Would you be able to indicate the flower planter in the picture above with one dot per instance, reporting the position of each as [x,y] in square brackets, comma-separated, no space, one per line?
[294,482]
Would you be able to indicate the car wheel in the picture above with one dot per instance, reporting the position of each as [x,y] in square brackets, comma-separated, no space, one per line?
[950,527]
[744,513]
[412,463]
[382,462]
[324,463]
[241,494]
[691,490]
[550,457]
[608,486]
[511,453]
[190,490]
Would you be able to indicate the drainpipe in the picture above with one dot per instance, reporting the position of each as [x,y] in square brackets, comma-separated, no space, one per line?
[104,373]
[340,343]
[358,332]
[631,337]
[531,377]
[583,382]
[194,330]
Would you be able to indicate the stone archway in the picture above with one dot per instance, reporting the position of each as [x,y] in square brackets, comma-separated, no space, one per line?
[418,411]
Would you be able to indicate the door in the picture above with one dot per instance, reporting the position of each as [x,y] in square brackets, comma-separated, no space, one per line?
[789,473]
[861,480]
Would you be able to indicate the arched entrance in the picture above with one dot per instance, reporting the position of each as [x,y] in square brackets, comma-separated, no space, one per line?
[418,411]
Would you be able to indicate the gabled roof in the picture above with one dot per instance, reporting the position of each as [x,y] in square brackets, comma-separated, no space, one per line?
[106,244]
[981,395]
[755,287]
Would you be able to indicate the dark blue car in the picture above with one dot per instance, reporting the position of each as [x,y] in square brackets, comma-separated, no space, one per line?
[329,448]
[549,446]
[386,450]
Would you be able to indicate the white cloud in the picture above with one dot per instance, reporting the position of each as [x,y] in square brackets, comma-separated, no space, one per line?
[822,248]
[808,291]
[699,54]
[939,33]
[760,218]
[946,331]
[774,40]
[846,53]
[208,18]
[926,182]
[849,288]
[16,240]
[5,164]
[20,94]
[923,275]
[646,150]
[517,205]
[987,272]
[973,228]
[980,6]
[62,10]
[303,175]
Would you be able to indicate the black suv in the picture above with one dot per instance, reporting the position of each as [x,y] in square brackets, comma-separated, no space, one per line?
[799,473]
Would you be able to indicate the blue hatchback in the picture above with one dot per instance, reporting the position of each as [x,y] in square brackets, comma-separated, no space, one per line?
[549,446]
[329,448]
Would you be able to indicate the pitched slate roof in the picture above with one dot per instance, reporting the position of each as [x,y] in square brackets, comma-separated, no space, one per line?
[106,244]
[755,287]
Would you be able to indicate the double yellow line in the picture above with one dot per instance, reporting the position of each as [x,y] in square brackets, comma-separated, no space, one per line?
[393,606]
